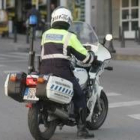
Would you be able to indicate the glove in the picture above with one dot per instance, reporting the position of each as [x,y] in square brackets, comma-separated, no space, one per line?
[92,55]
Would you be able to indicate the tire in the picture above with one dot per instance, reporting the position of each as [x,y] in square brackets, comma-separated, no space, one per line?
[99,117]
[34,122]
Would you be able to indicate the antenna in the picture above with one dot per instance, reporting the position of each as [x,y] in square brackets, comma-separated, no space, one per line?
[32,23]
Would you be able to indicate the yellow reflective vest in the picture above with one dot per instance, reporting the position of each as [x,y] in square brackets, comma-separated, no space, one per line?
[61,44]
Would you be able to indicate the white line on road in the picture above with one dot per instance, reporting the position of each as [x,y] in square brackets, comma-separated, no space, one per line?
[23,54]
[112,94]
[11,61]
[124,104]
[2,65]
[19,53]
[135,116]
[13,56]
[10,71]
[1,58]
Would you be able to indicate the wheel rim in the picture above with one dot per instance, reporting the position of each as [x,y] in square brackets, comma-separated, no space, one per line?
[43,125]
[40,129]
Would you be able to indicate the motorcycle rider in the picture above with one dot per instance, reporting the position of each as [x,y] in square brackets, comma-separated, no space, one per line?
[58,44]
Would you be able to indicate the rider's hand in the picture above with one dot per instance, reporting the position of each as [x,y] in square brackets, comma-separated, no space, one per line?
[95,61]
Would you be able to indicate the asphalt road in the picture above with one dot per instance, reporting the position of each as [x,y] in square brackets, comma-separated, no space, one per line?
[122,88]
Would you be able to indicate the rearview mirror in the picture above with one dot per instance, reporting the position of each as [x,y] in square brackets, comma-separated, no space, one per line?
[109,37]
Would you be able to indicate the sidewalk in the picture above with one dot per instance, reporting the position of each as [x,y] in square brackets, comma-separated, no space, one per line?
[8,44]
[131,51]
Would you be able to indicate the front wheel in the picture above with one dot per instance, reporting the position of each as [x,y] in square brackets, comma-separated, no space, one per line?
[98,116]
[39,127]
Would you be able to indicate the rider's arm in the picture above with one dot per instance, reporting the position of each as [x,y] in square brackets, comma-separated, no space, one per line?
[77,49]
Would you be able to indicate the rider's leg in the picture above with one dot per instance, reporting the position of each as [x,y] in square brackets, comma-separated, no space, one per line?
[79,97]
[81,110]
[81,124]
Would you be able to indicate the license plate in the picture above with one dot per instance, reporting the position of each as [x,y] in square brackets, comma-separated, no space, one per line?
[30,94]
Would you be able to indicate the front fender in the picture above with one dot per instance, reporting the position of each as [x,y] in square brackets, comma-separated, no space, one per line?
[99,89]
[91,102]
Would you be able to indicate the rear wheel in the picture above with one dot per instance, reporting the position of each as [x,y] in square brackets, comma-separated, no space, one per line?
[98,116]
[39,127]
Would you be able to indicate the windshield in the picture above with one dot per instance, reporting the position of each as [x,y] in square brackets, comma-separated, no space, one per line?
[84,32]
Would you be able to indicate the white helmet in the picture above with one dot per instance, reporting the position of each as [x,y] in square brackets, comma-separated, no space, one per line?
[61,14]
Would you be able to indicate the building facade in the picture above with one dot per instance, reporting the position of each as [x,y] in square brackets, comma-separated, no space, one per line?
[125,13]
[94,12]
[17,11]
[130,16]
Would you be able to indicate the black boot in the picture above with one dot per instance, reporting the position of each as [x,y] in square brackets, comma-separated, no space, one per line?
[81,125]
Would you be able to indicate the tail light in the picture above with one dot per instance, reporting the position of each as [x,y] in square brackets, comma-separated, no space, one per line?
[29,105]
[31,81]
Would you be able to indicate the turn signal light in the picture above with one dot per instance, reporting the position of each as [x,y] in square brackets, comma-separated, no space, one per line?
[13,78]
[40,80]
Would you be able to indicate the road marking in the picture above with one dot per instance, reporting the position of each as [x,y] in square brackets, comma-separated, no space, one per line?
[13,56]
[23,54]
[124,104]
[113,94]
[2,65]
[1,58]
[19,53]
[21,57]
[7,61]
[10,71]
[135,116]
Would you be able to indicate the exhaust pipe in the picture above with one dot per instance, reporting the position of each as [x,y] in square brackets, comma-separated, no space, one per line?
[60,113]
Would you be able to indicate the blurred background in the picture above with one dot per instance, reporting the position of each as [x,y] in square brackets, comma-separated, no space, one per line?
[125,14]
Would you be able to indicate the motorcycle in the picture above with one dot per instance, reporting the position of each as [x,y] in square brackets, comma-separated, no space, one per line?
[49,98]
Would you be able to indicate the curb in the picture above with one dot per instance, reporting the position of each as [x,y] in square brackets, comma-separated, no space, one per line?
[126,57]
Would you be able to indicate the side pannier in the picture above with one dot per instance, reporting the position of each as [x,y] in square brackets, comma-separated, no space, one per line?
[15,85]
[53,88]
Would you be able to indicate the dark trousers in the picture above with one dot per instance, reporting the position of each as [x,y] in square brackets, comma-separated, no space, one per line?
[62,69]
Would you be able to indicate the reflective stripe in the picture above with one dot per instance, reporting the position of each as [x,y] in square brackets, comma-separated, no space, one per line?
[63,56]
[51,56]
[42,52]
[91,59]
[66,43]
[86,59]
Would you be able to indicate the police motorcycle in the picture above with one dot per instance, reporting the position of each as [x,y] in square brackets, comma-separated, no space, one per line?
[49,98]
